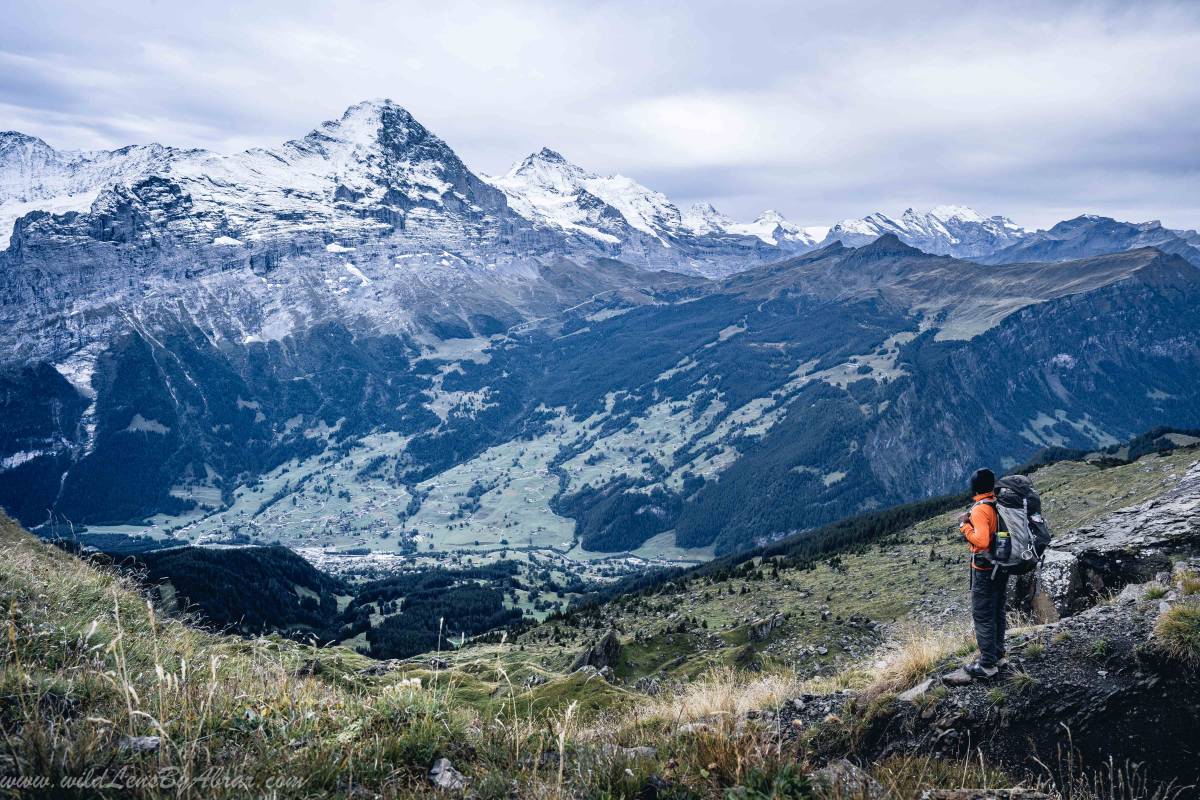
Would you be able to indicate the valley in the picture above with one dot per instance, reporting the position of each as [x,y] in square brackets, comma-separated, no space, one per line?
[400,365]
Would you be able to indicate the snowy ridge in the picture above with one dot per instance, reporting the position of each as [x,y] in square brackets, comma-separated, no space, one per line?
[943,230]
[548,190]
[375,174]
[344,175]
[772,228]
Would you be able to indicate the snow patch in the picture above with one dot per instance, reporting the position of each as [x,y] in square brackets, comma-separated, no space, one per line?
[356,272]
[1064,360]
[19,458]
[141,424]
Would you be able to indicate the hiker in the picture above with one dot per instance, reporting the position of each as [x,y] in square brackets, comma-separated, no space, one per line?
[1008,536]
[989,580]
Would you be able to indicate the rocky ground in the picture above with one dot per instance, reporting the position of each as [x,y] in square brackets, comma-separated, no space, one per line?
[1102,682]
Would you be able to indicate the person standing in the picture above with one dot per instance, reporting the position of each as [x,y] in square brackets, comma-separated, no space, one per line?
[982,528]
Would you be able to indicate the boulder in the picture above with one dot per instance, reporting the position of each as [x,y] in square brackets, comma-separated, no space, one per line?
[760,629]
[603,653]
[445,777]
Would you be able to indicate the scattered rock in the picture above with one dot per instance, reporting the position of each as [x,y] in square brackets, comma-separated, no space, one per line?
[446,777]
[845,779]
[140,744]
[912,694]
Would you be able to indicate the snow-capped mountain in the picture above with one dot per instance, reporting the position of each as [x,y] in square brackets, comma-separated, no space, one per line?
[770,227]
[943,230]
[184,332]
[368,173]
[36,177]
[373,175]
[547,189]
[637,223]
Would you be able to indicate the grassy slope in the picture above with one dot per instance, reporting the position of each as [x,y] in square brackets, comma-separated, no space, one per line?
[917,575]
[86,663]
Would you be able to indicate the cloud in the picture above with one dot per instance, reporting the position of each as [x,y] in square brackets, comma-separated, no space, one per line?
[822,110]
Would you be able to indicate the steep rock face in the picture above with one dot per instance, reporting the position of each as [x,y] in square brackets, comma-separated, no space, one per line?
[1130,546]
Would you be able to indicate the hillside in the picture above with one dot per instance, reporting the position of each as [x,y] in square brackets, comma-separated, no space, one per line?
[693,696]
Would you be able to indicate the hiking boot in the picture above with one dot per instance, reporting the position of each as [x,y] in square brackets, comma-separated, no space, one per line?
[979,672]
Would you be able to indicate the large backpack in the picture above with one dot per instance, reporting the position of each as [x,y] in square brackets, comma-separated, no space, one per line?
[1019,509]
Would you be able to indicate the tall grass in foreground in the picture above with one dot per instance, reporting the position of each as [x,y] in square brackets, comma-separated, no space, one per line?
[94,682]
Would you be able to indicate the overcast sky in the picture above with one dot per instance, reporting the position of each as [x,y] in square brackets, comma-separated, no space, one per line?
[823,110]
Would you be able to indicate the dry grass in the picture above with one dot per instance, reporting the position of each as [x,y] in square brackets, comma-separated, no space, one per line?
[88,664]
[910,775]
[1189,583]
[915,655]
[1178,633]
[1127,781]
[723,692]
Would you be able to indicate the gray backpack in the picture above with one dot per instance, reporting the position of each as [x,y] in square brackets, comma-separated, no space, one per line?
[1024,535]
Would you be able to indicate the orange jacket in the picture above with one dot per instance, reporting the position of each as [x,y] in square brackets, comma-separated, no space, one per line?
[981,526]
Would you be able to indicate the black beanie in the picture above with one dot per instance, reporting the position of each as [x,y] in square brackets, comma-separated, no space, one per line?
[983,481]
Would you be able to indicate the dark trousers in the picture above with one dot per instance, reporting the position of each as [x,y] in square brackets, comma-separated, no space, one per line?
[988,594]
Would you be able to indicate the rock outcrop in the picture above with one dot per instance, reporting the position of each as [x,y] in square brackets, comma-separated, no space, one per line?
[1132,545]
[603,654]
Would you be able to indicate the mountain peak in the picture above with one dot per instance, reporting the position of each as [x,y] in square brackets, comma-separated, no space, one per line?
[18,137]
[547,165]
[370,122]
[949,212]
[888,244]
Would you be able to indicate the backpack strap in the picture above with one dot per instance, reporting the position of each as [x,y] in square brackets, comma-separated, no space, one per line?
[991,501]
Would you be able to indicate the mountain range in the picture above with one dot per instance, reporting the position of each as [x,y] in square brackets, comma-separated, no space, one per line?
[353,342]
